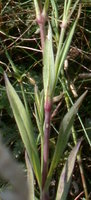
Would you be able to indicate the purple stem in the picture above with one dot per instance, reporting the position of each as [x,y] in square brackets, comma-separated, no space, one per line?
[42,35]
[47,107]
[45,196]
[41,22]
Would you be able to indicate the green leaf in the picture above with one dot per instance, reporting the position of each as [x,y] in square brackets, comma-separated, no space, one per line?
[39,109]
[25,128]
[73,8]
[37,8]
[12,64]
[66,174]
[37,102]
[49,68]
[64,133]
[39,114]
[64,46]
[54,20]
[65,49]
[45,8]
[68,6]
[30,178]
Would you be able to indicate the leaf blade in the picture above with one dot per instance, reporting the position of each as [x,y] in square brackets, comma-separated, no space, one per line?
[65,49]
[25,129]
[64,133]
[49,67]
[30,178]
[66,175]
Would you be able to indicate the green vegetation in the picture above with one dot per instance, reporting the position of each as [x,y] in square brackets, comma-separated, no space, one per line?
[45,74]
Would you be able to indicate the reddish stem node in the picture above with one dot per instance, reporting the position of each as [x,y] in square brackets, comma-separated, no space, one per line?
[41,22]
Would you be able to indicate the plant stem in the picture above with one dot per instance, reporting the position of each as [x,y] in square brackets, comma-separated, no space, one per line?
[47,108]
[45,196]
[42,34]
[41,22]
[41,19]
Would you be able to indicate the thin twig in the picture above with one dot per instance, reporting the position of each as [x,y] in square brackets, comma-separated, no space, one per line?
[77,198]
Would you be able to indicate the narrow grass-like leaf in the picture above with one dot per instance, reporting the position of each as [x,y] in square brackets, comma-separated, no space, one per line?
[42,105]
[39,109]
[37,8]
[81,122]
[64,50]
[39,114]
[66,174]
[38,123]
[64,46]
[45,8]
[68,6]
[30,178]
[54,20]
[48,61]
[25,128]
[12,63]
[64,133]
[16,102]
[73,8]
[39,103]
